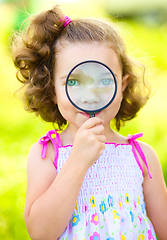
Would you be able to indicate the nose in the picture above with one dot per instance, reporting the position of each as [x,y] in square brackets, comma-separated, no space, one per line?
[90,97]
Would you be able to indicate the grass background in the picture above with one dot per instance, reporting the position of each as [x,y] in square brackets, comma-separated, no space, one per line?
[19,130]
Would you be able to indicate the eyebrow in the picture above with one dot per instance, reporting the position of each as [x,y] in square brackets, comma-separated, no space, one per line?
[107,73]
[64,77]
[71,75]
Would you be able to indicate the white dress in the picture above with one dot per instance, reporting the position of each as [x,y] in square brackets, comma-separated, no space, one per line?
[110,204]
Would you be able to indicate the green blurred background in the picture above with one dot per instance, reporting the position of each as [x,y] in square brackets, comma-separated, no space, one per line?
[143,24]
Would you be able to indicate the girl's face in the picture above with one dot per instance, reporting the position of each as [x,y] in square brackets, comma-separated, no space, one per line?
[70,55]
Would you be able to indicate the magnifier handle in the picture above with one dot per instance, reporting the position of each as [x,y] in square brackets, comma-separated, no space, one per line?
[92,115]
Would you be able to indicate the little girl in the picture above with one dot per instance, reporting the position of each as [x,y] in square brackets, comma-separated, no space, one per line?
[88,182]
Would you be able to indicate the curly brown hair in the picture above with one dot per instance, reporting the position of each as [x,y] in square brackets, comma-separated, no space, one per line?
[34,55]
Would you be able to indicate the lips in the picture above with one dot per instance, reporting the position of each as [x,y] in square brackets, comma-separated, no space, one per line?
[88,115]
[84,114]
[97,114]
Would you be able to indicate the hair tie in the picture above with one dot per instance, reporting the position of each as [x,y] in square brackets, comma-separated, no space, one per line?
[67,20]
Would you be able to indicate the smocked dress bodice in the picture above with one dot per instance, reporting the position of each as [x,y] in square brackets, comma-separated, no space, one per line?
[110,205]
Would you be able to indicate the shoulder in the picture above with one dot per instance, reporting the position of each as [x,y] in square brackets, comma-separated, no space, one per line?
[147,149]
[150,154]
[151,158]
[37,163]
[36,151]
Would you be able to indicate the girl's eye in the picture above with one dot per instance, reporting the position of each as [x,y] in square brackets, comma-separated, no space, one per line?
[106,81]
[72,82]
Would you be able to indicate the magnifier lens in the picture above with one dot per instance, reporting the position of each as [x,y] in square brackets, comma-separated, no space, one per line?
[91,86]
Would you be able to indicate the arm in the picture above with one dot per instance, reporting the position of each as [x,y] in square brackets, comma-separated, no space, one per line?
[51,198]
[155,193]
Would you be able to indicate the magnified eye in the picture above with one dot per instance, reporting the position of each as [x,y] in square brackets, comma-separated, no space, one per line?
[72,82]
[106,81]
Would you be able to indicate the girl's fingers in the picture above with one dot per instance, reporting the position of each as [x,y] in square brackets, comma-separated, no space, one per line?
[92,122]
[101,138]
[98,129]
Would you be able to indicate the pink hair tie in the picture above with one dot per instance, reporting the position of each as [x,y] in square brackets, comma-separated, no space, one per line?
[67,20]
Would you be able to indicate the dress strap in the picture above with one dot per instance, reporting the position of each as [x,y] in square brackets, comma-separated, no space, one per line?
[45,139]
[133,142]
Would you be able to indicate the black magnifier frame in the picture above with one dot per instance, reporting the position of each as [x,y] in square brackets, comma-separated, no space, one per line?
[91,112]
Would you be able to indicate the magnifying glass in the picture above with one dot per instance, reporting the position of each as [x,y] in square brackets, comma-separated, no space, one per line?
[91,86]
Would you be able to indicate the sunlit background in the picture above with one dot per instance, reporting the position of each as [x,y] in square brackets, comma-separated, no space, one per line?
[143,25]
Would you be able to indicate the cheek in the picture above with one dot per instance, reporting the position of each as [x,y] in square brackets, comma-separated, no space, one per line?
[118,97]
[62,101]
[115,105]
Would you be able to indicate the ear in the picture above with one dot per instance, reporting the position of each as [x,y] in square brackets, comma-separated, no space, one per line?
[125,81]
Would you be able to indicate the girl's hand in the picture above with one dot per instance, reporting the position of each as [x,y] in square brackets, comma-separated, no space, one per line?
[89,142]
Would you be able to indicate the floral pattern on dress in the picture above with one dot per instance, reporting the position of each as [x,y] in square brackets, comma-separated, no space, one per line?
[120,204]
[127,198]
[141,237]
[75,220]
[138,200]
[116,215]
[123,220]
[94,219]
[150,236]
[85,208]
[95,236]
[110,201]
[93,201]
[140,219]
[76,205]
[103,207]
[132,216]
[123,237]
[142,207]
